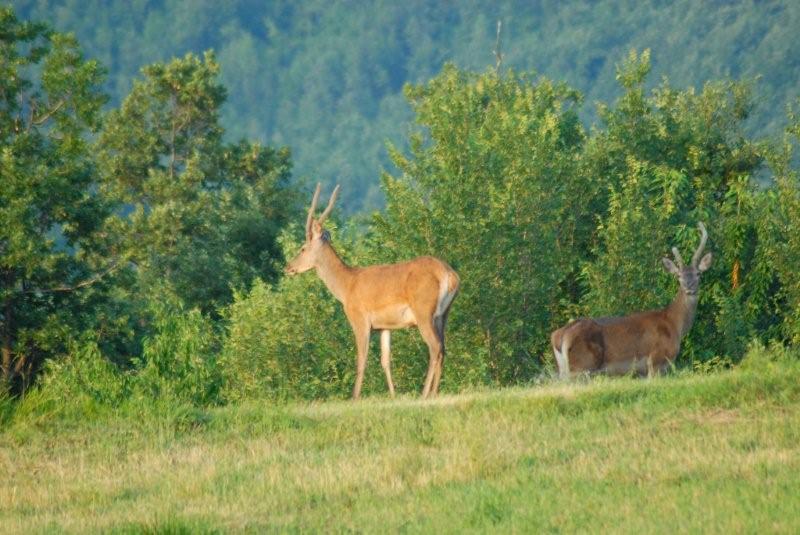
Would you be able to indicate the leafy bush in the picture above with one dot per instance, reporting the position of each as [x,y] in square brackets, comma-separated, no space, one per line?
[179,361]
[773,356]
[669,159]
[486,188]
[781,221]
[289,340]
[177,369]
[626,272]
[81,383]
[293,340]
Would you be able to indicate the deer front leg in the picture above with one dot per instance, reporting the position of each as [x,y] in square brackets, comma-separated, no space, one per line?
[361,330]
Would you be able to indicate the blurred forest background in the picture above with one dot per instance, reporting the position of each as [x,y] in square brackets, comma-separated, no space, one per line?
[325,77]
[151,188]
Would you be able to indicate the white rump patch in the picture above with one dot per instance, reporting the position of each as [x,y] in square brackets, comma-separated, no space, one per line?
[562,358]
[445,296]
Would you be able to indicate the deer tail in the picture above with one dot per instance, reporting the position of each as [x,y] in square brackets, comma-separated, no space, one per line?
[562,356]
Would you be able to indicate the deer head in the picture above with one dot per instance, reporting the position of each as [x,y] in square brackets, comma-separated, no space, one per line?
[689,276]
[316,237]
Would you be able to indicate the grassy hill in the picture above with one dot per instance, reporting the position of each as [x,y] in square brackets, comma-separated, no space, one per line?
[711,453]
[326,78]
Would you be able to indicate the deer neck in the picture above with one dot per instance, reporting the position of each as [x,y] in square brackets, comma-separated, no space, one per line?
[681,311]
[334,272]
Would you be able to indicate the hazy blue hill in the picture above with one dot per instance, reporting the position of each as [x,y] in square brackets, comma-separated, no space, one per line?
[326,77]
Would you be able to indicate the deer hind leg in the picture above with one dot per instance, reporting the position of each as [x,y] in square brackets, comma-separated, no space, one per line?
[428,332]
[657,365]
[439,323]
[443,303]
[386,358]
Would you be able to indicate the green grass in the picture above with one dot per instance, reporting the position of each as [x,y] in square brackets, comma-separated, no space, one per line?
[715,453]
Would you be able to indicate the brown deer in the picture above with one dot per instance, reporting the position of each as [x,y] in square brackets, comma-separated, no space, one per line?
[641,343]
[382,297]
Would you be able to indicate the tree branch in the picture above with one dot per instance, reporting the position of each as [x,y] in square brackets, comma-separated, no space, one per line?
[498,56]
[37,121]
[88,282]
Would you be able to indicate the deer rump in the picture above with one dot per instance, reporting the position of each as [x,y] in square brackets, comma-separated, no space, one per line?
[641,343]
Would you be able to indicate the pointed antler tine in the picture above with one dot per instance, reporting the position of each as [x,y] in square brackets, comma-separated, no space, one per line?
[311,210]
[328,209]
[703,239]
[677,255]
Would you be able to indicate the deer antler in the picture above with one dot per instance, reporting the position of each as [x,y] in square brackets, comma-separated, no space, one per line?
[311,211]
[678,258]
[703,238]
[327,211]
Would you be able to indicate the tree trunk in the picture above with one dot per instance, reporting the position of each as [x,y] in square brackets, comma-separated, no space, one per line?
[6,339]
[5,343]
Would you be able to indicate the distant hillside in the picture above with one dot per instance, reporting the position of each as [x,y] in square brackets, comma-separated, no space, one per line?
[325,77]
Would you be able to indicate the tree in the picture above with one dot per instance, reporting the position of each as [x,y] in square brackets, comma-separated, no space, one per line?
[781,222]
[668,159]
[198,216]
[484,188]
[50,100]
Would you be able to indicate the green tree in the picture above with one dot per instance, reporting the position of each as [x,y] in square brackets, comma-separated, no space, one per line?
[484,188]
[198,216]
[781,221]
[668,159]
[50,100]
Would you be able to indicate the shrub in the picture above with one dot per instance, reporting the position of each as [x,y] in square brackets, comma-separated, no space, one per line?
[781,221]
[486,187]
[293,340]
[669,159]
[81,383]
[179,361]
[773,356]
[287,340]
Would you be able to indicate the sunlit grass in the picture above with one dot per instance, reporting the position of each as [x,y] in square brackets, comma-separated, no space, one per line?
[698,453]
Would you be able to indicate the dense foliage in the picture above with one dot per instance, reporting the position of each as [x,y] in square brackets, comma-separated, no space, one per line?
[325,77]
[496,176]
[198,216]
[51,98]
[102,217]
[141,250]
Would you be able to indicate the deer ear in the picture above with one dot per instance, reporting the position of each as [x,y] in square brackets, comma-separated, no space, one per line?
[705,263]
[670,266]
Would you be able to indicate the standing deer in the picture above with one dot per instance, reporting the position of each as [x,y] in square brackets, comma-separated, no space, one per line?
[645,342]
[383,297]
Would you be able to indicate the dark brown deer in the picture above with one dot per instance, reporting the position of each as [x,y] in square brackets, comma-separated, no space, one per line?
[383,297]
[642,343]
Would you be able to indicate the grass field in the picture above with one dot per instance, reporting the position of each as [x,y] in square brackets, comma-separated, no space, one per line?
[714,453]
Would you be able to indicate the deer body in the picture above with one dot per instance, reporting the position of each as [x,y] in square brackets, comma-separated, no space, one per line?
[384,297]
[645,342]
